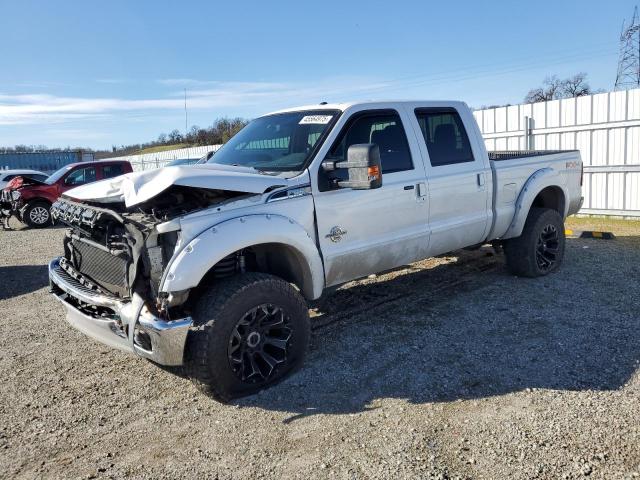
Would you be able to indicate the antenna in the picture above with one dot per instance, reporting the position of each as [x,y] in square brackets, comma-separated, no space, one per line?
[185,112]
[629,62]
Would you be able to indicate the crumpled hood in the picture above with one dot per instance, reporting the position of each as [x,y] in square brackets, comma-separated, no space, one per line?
[22,181]
[138,187]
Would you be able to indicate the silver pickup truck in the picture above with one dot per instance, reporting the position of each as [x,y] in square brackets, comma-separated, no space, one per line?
[210,266]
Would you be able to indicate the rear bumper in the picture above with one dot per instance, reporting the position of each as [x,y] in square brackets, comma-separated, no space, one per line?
[119,324]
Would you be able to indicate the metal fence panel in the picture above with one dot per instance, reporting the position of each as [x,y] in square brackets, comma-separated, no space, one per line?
[149,161]
[605,127]
[47,162]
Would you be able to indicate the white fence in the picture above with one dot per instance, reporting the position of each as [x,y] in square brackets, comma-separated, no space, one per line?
[148,161]
[605,128]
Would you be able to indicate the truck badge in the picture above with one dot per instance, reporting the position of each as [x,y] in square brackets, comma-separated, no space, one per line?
[335,235]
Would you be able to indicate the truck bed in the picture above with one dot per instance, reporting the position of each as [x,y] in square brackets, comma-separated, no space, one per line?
[511,169]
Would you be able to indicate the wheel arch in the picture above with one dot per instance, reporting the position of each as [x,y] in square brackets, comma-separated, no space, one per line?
[33,200]
[281,246]
[543,189]
[552,197]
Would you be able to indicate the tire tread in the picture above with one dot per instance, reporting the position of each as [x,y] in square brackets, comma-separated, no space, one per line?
[518,251]
[209,307]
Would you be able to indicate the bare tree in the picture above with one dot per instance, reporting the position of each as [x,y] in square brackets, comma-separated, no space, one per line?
[576,86]
[174,136]
[553,89]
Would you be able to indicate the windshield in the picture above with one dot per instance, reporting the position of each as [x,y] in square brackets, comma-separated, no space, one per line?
[181,161]
[57,175]
[279,143]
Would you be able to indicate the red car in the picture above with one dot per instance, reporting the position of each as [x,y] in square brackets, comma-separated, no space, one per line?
[30,200]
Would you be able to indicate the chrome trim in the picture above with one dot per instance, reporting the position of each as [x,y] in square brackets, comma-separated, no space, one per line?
[70,285]
[168,338]
[292,192]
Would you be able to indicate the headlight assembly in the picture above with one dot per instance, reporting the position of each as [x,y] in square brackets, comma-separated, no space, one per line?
[15,195]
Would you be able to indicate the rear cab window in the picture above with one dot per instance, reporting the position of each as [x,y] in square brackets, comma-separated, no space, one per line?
[445,136]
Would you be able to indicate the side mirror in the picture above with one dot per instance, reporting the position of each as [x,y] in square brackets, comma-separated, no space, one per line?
[363,166]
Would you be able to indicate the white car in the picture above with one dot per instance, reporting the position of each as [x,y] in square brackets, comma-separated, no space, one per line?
[211,265]
[7,175]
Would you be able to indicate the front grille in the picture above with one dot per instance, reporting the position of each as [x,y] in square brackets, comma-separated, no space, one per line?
[107,270]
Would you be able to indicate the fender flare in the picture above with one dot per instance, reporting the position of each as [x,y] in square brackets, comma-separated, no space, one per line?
[187,268]
[538,181]
[31,201]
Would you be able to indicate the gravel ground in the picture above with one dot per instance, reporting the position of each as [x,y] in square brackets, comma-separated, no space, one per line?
[449,368]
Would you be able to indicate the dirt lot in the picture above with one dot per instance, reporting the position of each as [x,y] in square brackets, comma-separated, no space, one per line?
[449,368]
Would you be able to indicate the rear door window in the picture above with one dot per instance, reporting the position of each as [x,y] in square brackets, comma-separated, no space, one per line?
[445,136]
[110,171]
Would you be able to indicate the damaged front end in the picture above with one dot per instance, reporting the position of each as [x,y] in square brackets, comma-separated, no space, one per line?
[12,202]
[109,277]
[123,233]
[6,207]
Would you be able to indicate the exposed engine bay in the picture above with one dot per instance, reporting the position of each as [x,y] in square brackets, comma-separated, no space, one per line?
[117,250]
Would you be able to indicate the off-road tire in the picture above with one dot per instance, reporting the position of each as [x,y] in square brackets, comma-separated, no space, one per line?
[217,314]
[522,253]
[34,215]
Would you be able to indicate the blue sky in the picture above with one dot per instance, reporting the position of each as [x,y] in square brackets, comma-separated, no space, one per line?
[102,73]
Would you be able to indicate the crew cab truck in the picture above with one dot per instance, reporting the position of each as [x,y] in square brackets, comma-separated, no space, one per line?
[210,266]
[29,198]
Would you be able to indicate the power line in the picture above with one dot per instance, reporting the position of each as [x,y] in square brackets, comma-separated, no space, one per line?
[482,71]
[629,63]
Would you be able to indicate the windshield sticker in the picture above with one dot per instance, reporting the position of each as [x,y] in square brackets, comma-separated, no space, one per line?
[315,120]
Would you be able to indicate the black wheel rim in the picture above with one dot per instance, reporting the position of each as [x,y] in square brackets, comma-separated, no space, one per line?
[547,248]
[260,343]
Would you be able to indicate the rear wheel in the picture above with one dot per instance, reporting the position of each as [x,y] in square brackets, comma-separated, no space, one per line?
[37,215]
[540,249]
[249,333]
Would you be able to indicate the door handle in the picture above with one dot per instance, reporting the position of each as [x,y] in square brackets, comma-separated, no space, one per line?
[481,179]
[421,191]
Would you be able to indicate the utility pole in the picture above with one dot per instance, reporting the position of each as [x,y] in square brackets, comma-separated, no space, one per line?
[185,113]
[629,62]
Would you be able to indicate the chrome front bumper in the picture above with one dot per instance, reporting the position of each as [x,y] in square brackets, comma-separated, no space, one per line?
[120,321]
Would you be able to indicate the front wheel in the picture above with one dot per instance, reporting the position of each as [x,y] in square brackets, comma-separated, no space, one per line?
[37,215]
[539,250]
[249,333]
